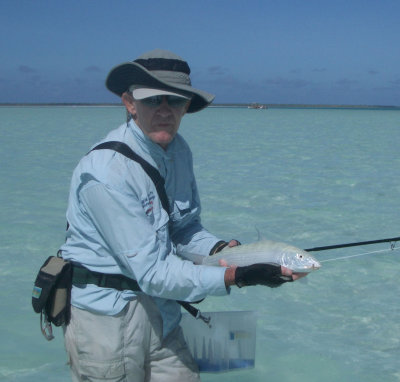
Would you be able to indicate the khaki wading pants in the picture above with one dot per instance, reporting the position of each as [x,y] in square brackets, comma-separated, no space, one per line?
[127,347]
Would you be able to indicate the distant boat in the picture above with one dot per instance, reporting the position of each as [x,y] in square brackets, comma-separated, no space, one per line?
[256,106]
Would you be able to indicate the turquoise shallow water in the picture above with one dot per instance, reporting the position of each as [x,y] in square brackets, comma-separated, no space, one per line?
[308,177]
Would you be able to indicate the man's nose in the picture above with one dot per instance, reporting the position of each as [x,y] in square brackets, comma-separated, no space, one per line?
[164,107]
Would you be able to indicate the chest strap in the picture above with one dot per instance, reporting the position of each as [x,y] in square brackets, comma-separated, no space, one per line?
[82,275]
[150,170]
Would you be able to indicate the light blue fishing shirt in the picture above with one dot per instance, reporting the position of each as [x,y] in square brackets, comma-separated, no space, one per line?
[117,225]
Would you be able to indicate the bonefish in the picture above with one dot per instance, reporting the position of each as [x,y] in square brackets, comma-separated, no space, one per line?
[261,252]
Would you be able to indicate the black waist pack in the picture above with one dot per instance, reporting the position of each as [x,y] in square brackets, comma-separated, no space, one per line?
[51,296]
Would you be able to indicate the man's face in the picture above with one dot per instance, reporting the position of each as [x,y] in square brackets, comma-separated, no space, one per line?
[160,123]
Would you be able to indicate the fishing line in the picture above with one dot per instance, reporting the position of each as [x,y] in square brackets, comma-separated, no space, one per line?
[361,254]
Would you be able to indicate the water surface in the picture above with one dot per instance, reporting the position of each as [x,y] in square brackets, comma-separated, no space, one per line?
[307,177]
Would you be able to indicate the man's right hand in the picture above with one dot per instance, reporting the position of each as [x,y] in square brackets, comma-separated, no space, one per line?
[272,275]
[260,274]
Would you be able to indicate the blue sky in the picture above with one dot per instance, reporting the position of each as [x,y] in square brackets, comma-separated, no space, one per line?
[282,51]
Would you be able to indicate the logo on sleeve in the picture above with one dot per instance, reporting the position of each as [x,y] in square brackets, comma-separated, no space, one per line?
[147,203]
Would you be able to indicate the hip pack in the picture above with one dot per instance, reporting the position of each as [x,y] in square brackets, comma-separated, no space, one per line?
[51,296]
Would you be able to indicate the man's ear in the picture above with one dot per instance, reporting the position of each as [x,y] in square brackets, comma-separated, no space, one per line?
[129,102]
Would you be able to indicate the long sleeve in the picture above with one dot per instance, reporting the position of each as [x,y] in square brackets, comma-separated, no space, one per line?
[144,253]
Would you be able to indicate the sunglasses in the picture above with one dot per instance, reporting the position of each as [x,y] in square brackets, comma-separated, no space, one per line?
[173,101]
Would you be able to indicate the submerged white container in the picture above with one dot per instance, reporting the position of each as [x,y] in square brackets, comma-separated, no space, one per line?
[227,343]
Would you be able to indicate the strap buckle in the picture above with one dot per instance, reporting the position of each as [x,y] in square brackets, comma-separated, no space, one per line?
[45,326]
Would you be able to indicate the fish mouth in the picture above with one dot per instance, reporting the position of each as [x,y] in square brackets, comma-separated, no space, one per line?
[310,268]
[316,266]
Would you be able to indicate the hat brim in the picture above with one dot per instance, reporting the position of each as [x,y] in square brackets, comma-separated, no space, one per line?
[123,76]
[141,93]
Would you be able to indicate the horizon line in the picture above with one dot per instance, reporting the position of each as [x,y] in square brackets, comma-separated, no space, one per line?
[222,104]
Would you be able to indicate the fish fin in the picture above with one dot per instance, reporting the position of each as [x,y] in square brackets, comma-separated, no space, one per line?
[258,234]
[262,237]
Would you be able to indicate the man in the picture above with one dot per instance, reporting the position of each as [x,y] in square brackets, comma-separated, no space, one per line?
[122,233]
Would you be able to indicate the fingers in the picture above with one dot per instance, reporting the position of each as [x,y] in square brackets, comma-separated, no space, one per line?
[233,243]
[286,271]
[295,275]
[223,263]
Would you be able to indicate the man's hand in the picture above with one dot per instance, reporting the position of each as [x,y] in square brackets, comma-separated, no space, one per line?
[261,274]
[272,275]
[222,244]
[233,243]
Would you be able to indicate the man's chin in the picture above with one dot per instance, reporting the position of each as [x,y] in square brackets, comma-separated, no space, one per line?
[162,138]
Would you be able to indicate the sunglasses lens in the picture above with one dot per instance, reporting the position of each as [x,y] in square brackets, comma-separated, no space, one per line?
[173,101]
[152,101]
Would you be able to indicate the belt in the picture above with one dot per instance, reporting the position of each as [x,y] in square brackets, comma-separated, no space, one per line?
[81,275]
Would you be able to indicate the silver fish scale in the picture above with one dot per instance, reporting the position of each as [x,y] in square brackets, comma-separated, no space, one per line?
[266,251]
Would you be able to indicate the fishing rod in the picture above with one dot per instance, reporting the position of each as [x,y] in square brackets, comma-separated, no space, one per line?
[389,240]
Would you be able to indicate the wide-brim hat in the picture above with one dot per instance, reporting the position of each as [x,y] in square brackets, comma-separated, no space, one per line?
[158,69]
